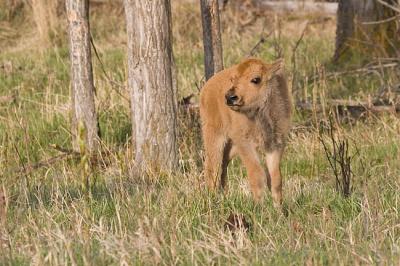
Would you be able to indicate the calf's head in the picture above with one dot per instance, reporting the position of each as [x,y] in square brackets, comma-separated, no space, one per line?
[251,83]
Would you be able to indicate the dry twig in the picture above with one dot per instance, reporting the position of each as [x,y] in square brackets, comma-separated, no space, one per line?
[339,161]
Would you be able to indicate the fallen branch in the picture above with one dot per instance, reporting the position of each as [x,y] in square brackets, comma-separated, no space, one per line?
[361,70]
[48,162]
[28,169]
[355,108]
[297,6]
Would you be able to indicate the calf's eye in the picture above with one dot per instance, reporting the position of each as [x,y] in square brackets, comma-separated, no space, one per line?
[256,80]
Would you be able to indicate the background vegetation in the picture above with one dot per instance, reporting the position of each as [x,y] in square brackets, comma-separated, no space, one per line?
[59,208]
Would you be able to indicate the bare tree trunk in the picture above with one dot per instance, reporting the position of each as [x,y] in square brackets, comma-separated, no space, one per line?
[366,27]
[84,119]
[213,58]
[153,96]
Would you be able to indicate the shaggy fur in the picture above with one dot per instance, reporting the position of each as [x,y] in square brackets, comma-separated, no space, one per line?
[246,110]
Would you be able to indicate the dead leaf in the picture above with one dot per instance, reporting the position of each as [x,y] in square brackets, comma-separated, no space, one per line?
[237,221]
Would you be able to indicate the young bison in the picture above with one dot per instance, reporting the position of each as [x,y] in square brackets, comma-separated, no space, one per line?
[245,109]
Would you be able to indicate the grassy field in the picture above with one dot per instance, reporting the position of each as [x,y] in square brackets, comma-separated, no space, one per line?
[62,209]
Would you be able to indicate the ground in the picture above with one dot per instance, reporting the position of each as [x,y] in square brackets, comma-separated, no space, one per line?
[72,210]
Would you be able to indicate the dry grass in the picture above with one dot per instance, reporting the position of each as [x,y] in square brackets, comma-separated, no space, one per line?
[45,17]
[48,217]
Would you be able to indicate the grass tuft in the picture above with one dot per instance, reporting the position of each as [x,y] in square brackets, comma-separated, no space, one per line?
[173,219]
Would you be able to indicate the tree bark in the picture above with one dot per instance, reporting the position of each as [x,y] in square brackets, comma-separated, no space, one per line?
[84,119]
[213,58]
[366,27]
[153,96]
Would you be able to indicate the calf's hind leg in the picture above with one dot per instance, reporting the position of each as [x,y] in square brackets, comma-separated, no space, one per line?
[217,150]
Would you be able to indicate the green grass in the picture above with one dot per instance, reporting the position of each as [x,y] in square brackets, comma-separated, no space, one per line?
[172,219]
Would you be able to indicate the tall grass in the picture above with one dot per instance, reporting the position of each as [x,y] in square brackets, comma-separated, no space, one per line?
[172,219]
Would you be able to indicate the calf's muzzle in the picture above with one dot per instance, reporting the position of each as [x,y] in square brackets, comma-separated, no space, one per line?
[231,97]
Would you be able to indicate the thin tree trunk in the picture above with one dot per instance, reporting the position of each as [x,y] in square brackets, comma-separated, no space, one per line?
[363,28]
[153,96]
[213,58]
[84,119]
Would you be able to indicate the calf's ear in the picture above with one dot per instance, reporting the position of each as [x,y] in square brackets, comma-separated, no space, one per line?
[277,68]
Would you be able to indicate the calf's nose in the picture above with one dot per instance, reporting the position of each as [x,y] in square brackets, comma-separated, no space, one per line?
[231,97]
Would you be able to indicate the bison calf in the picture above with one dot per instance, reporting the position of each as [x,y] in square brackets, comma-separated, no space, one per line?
[246,109]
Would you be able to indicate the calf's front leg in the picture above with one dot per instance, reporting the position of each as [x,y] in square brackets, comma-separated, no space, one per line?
[216,162]
[273,159]
[255,171]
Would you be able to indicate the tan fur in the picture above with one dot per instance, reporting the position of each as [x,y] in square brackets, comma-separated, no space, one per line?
[257,121]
